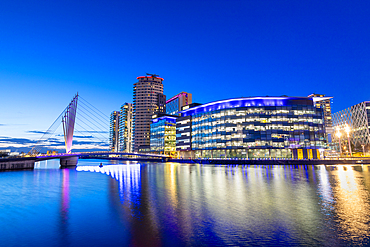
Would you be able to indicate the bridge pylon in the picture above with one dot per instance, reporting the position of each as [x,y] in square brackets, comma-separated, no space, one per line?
[68,120]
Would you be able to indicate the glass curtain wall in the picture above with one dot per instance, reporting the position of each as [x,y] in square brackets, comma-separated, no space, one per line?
[257,132]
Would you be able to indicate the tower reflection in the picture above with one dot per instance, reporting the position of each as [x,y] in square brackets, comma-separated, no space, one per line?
[64,208]
[352,204]
[134,207]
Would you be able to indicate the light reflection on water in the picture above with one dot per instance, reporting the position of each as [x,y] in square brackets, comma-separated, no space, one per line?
[182,204]
[352,204]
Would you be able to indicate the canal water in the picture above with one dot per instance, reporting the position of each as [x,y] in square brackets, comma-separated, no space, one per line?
[171,204]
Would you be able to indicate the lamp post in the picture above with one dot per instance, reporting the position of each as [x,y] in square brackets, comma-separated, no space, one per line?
[339,134]
[348,129]
[363,150]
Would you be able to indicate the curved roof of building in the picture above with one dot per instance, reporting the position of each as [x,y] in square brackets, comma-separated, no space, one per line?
[247,102]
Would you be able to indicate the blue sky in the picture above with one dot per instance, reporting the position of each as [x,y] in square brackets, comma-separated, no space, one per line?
[49,50]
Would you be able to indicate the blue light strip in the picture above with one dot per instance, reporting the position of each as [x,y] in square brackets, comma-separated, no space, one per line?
[167,118]
[242,102]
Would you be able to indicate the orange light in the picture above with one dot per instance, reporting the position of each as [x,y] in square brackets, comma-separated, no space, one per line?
[150,77]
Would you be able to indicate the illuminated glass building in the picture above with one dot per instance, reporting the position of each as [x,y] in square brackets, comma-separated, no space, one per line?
[125,128]
[321,101]
[148,100]
[174,104]
[163,135]
[256,127]
[357,117]
[113,131]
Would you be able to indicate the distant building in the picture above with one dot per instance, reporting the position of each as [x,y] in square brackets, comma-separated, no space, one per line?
[174,104]
[323,102]
[163,135]
[5,153]
[357,117]
[113,131]
[148,100]
[125,128]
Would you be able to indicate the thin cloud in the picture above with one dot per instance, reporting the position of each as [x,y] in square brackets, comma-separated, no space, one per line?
[16,140]
[94,131]
[25,144]
[35,132]
[76,136]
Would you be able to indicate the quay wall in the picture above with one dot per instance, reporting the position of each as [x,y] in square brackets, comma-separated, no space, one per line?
[274,161]
[17,165]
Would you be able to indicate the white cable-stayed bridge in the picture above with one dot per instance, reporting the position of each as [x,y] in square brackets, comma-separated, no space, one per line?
[79,120]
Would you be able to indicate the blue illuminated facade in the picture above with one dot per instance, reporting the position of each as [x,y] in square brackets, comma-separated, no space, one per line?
[255,127]
[163,135]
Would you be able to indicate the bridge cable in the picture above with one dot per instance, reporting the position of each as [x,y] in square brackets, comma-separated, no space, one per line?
[96,115]
[91,138]
[101,114]
[87,116]
[49,132]
[90,127]
[102,140]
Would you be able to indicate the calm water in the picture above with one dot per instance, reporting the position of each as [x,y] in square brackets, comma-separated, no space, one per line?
[172,204]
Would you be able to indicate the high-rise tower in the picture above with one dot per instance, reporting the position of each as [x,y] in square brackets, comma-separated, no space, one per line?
[113,131]
[148,100]
[125,128]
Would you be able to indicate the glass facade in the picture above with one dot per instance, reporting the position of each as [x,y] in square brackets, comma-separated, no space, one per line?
[255,127]
[174,104]
[113,131]
[125,128]
[172,107]
[163,135]
[183,133]
[357,117]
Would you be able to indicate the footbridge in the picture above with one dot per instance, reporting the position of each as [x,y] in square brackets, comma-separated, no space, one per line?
[71,159]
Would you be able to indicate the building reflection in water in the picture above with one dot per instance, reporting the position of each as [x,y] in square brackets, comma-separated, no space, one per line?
[133,208]
[64,208]
[172,203]
[65,195]
[127,176]
[352,204]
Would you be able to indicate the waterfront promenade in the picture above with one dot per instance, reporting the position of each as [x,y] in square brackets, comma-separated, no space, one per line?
[24,163]
[261,161]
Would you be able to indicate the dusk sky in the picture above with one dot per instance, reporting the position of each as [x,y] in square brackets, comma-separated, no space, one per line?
[49,50]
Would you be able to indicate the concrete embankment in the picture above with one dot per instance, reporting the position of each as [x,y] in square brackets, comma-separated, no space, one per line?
[358,161]
[17,164]
[129,159]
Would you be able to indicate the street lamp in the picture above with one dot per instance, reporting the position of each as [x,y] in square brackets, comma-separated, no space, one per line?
[348,129]
[339,134]
[363,150]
